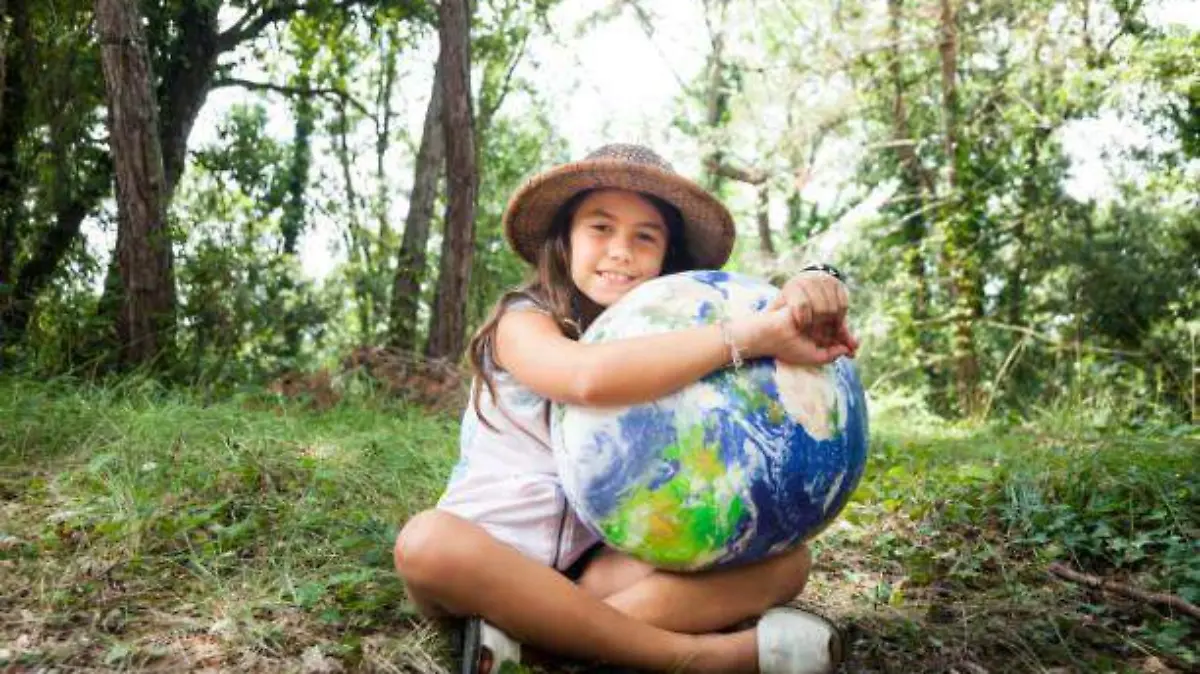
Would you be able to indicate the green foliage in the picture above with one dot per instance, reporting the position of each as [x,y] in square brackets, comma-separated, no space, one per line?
[1171,66]
[1055,297]
[245,514]
[514,148]
[53,156]
[242,292]
[1047,274]
[950,512]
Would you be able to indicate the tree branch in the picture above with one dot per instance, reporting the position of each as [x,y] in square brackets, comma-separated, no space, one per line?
[751,175]
[1124,29]
[1175,602]
[1021,329]
[250,25]
[272,11]
[327,92]
[485,114]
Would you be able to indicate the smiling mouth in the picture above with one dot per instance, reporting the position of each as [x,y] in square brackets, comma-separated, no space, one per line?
[615,277]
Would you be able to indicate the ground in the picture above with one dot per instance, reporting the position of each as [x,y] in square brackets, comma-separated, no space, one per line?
[145,530]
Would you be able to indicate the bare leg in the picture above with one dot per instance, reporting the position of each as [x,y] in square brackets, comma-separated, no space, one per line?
[452,566]
[696,603]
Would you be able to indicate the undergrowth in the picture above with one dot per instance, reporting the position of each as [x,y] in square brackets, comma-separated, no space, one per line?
[144,529]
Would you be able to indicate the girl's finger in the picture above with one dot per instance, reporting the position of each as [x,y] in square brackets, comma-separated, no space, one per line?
[847,338]
[826,355]
[828,290]
[811,285]
[826,333]
[800,303]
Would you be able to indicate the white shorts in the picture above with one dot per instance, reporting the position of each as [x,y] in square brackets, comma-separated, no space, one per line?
[529,512]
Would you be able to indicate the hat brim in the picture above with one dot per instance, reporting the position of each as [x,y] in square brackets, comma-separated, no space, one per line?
[708,226]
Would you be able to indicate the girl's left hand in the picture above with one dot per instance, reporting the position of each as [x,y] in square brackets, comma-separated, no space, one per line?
[818,303]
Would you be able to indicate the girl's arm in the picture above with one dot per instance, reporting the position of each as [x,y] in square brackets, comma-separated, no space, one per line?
[624,372]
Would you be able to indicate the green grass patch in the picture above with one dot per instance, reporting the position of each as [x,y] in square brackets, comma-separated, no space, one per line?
[146,529]
[945,549]
[241,529]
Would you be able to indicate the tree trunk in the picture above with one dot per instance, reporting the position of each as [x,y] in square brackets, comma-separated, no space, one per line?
[960,234]
[16,53]
[185,84]
[795,215]
[948,49]
[1014,287]
[295,210]
[410,265]
[919,187]
[765,244]
[359,246]
[383,132]
[447,329]
[35,274]
[717,104]
[147,314]
[1031,205]
[3,52]
[189,66]
[294,217]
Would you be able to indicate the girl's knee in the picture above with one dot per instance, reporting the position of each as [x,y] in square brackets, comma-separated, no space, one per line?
[791,574]
[424,552]
[612,571]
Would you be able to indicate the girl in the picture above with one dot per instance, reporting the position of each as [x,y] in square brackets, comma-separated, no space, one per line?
[503,543]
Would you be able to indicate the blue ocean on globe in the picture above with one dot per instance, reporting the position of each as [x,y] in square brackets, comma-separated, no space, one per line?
[745,463]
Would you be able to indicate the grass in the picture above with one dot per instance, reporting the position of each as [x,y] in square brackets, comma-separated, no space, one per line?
[141,530]
[144,530]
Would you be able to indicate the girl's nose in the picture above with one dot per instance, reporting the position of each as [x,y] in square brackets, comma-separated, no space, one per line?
[619,249]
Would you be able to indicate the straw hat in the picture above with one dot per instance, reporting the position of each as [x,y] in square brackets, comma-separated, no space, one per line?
[707,224]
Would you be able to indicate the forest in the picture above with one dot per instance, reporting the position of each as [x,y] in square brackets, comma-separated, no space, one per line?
[245,243]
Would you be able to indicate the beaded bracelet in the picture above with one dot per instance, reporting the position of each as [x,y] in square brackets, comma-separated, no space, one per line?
[827,269]
[727,335]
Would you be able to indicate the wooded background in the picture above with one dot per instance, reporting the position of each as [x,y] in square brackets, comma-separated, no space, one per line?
[981,282]
[213,425]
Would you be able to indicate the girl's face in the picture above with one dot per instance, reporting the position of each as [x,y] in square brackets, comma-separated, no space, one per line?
[618,242]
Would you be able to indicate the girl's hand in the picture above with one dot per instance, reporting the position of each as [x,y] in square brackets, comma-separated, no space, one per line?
[773,333]
[818,302]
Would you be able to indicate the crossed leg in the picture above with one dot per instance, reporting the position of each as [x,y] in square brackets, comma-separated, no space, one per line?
[646,619]
[700,602]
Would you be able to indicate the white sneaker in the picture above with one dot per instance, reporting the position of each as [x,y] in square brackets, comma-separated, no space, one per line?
[487,650]
[792,641]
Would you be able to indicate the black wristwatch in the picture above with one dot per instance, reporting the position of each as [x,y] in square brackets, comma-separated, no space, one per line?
[827,269]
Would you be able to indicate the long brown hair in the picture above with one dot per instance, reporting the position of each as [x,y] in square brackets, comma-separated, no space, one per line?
[552,289]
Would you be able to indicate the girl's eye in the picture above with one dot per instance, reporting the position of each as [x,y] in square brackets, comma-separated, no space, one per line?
[600,226]
[649,238]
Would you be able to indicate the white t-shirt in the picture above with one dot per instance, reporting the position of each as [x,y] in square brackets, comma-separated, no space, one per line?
[506,479]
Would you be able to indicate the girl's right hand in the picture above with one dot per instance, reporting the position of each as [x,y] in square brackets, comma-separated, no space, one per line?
[774,333]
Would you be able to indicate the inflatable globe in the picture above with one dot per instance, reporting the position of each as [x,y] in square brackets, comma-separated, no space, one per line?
[742,464]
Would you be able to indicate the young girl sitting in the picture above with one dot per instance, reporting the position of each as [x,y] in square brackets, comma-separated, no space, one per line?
[503,547]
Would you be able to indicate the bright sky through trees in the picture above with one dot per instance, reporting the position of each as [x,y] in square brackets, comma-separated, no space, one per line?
[608,81]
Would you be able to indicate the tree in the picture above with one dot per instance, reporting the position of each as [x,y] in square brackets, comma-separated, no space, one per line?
[410,263]
[145,261]
[961,228]
[918,190]
[15,51]
[49,162]
[448,325]
[186,48]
